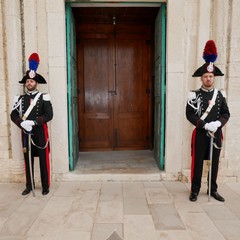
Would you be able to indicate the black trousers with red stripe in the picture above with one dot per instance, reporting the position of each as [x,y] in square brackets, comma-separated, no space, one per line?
[200,152]
[39,137]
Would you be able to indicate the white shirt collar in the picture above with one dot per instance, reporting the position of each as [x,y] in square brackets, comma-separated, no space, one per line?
[207,90]
[32,92]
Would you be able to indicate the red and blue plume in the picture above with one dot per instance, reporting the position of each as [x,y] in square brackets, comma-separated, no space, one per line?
[210,52]
[33,61]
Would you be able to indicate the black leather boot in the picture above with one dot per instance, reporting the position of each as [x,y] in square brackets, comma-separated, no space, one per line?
[26,191]
[217,196]
[45,191]
[193,196]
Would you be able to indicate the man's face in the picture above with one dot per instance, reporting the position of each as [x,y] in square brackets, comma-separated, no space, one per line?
[31,84]
[208,80]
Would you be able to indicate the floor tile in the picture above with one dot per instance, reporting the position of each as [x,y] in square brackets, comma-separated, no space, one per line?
[174,235]
[165,217]
[139,227]
[134,189]
[158,196]
[109,212]
[200,226]
[103,231]
[230,229]
[135,206]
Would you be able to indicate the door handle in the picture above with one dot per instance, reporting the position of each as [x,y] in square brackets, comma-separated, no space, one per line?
[112,92]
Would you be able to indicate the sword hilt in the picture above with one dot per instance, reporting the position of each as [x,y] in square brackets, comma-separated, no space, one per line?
[211,134]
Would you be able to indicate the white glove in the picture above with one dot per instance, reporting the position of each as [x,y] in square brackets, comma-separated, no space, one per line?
[30,122]
[212,126]
[218,123]
[26,126]
[215,125]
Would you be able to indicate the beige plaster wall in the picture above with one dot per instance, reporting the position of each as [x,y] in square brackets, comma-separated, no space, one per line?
[231,163]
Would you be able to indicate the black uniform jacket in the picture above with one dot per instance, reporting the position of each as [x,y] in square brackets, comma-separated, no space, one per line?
[201,101]
[41,113]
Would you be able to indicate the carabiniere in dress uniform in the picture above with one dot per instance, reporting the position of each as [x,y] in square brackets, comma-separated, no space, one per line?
[208,111]
[31,112]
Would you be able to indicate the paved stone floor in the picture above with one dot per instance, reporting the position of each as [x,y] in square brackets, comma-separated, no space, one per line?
[135,210]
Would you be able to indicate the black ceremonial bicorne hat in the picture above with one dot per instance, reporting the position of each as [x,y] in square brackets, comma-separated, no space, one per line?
[210,56]
[31,73]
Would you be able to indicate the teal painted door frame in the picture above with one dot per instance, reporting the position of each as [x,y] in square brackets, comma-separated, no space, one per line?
[163,87]
[72,89]
[160,87]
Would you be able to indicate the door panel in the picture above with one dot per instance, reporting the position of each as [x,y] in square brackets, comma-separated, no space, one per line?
[130,105]
[95,72]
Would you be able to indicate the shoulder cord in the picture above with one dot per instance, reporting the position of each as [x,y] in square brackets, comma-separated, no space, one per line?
[16,105]
[191,103]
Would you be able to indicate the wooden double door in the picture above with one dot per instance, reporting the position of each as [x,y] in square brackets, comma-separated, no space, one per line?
[114,91]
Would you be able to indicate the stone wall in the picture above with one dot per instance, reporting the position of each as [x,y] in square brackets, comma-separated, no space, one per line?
[28,26]
[11,162]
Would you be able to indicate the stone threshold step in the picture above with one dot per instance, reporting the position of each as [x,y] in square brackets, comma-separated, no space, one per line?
[121,177]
